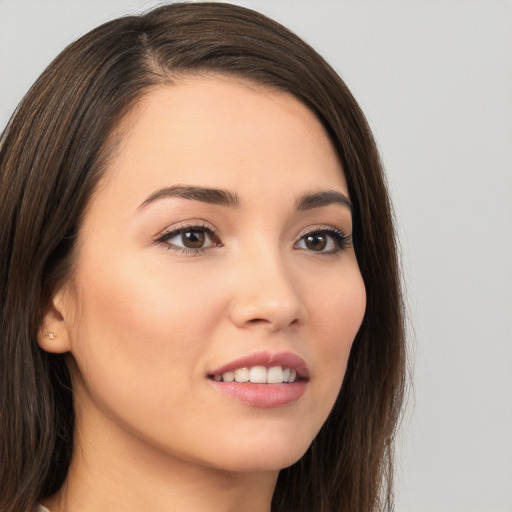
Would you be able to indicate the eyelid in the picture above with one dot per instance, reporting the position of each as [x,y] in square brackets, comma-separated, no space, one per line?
[341,239]
[315,228]
[191,225]
[338,236]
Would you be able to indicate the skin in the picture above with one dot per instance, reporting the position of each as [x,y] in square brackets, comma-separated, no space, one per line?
[145,323]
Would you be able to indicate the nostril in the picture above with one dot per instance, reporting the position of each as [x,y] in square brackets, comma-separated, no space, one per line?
[264,322]
[256,321]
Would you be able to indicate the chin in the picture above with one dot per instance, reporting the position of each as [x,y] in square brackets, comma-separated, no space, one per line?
[270,463]
[276,453]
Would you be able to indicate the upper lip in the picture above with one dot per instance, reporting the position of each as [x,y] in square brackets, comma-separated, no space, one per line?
[267,359]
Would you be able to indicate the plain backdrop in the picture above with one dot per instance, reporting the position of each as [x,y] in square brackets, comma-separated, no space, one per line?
[435,81]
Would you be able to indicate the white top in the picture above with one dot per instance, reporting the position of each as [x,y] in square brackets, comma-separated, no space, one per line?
[40,508]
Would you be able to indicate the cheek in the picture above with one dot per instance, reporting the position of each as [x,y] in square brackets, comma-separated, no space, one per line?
[141,333]
[338,308]
[140,330]
[336,318]
[143,302]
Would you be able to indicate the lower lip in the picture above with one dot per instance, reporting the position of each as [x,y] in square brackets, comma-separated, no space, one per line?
[262,395]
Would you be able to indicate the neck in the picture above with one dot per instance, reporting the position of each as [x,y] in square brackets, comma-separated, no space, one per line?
[109,491]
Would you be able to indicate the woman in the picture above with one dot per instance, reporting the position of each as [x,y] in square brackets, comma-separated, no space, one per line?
[200,296]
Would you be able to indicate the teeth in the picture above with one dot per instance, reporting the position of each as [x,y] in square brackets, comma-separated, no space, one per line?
[259,375]
[242,375]
[228,377]
[275,375]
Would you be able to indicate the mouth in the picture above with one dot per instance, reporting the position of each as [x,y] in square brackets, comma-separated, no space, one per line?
[263,368]
[258,375]
[263,379]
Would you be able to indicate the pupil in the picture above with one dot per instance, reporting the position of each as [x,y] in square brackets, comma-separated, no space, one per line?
[193,239]
[316,242]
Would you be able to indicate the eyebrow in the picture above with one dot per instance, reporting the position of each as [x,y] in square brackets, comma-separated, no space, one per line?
[323,198]
[205,195]
[231,200]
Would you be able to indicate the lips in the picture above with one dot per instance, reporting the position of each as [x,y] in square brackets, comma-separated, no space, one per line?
[286,360]
[263,379]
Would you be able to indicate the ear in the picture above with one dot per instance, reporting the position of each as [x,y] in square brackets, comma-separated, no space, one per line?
[54,332]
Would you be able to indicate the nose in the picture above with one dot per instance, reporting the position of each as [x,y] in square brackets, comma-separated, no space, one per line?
[266,294]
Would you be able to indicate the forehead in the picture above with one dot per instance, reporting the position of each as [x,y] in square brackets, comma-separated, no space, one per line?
[224,133]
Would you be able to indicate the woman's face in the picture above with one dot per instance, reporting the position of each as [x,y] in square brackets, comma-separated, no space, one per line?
[217,248]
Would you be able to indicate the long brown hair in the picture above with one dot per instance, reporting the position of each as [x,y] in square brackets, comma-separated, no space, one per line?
[52,154]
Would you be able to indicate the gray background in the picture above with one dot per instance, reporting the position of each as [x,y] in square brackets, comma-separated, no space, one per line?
[435,80]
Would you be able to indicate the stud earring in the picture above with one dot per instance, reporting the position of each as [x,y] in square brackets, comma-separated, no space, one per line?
[50,335]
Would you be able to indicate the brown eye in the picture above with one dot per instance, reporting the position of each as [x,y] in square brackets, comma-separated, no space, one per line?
[325,241]
[316,242]
[193,239]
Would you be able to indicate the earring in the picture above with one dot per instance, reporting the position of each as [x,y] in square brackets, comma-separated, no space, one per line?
[50,335]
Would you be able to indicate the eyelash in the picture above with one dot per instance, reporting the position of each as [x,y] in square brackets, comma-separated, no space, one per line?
[179,230]
[340,239]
